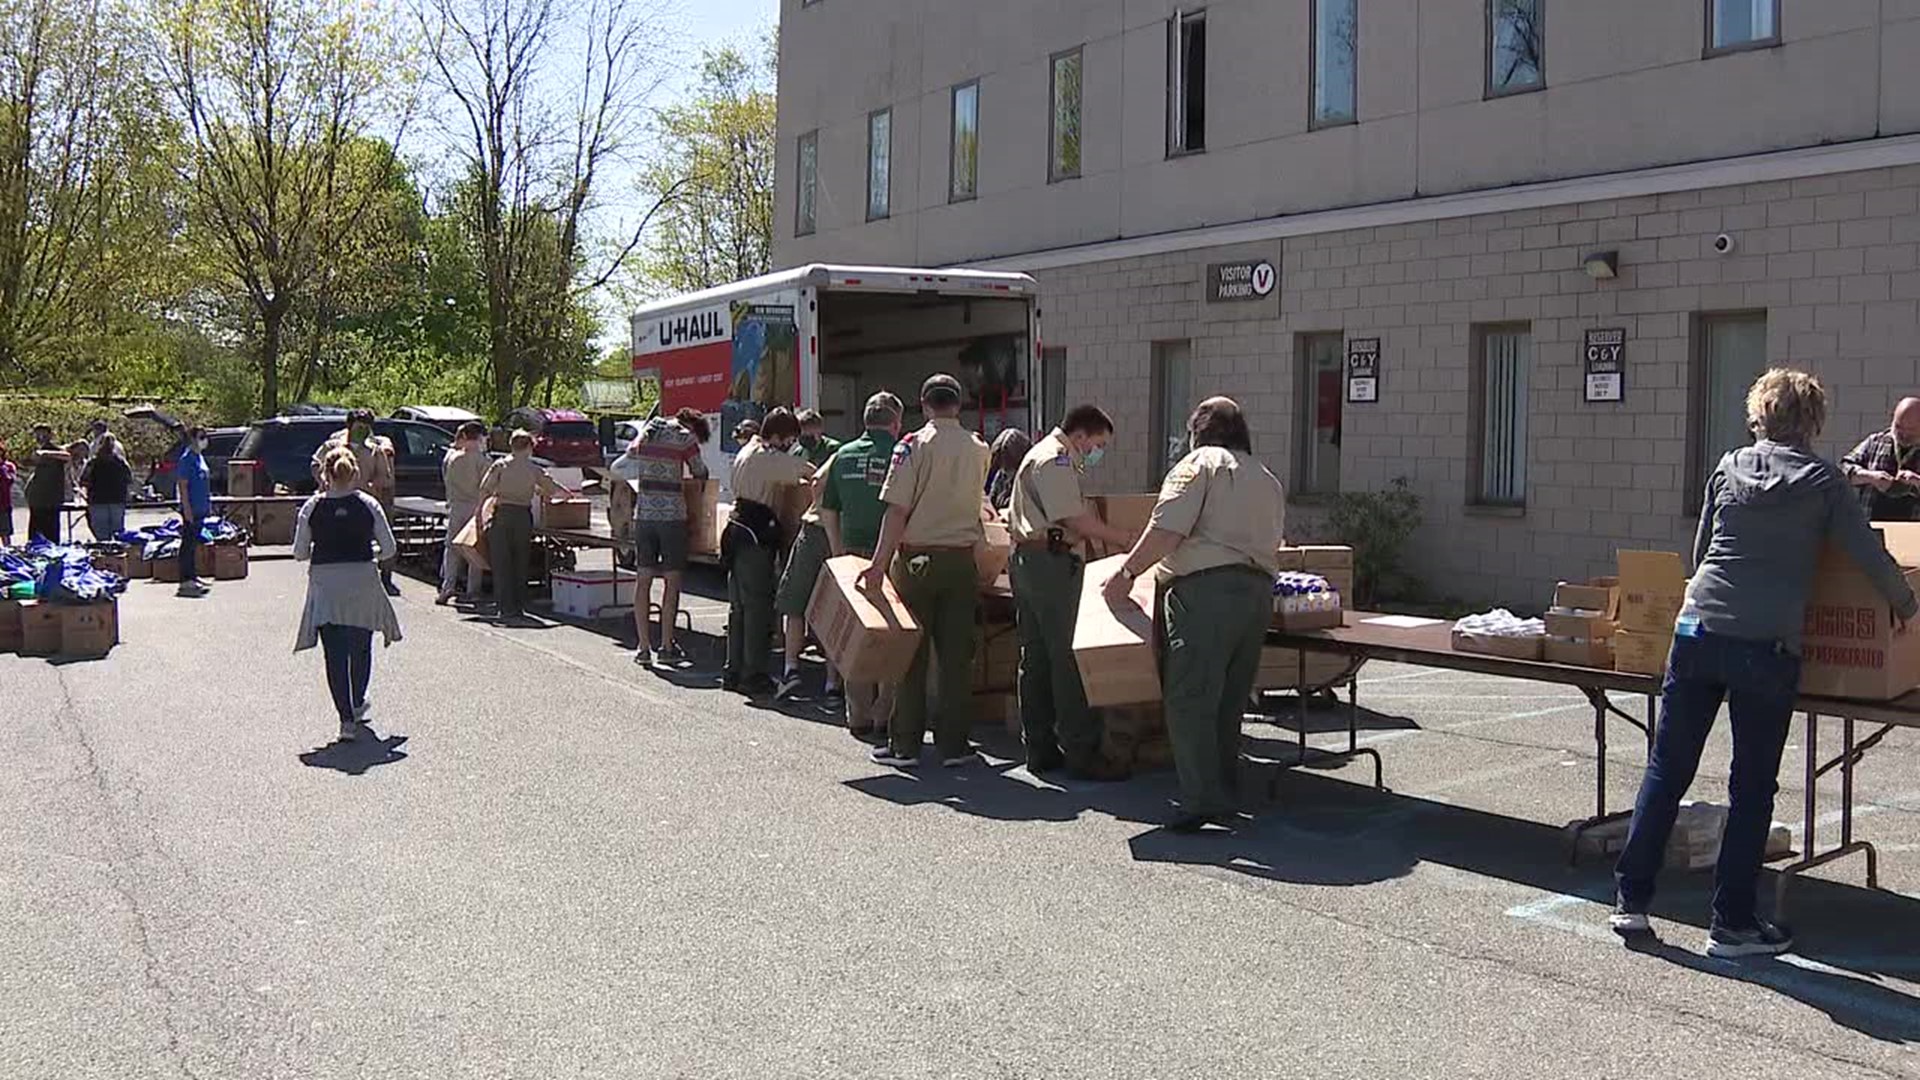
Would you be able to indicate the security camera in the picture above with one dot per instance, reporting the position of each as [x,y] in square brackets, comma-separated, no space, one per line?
[1724,244]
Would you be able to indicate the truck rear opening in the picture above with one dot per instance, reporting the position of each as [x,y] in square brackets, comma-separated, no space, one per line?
[829,337]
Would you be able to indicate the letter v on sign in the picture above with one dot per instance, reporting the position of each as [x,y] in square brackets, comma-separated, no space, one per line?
[1263,278]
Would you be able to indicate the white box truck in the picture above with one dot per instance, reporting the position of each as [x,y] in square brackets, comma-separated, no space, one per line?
[828,337]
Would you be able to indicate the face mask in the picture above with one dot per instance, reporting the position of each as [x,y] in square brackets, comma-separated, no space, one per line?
[1093,456]
[200,446]
[360,434]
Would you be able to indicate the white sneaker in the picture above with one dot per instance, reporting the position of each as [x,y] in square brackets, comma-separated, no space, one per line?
[884,755]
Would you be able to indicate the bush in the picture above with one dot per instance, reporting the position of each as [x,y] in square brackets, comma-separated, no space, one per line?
[1377,525]
[70,416]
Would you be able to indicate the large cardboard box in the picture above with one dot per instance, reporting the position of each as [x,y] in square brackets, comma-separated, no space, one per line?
[1849,648]
[1128,513]
[471,541]
[88,629]
[704,520]
[1331,561]
[622,497]
[40,625]
[1114,644]
[246,478]
[790,504]
[1578,627]
[9,625]
[1580,652]
[1653,584]
[996,659]
[229,561]
[273,523]
[1640,652]
[564,513]
[868,637]
[1528,647]
[992,554]
[1599,595]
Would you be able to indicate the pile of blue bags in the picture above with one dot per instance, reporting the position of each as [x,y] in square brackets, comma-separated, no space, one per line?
[60,573]
[162,541]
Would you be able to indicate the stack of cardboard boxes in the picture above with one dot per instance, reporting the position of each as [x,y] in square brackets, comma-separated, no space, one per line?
[1280,668]
[1653,584]
[38,628]
[1582,622]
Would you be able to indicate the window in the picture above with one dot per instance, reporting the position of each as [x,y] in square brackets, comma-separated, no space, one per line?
[1063,133]
[1516,46]
[1505,356]
[806,191]
[1172,399]
[1336,48]
[1053,386]
[1730,353]
[1321,361]
[1187,83]
[963,164]
[1733,25]
[879,163]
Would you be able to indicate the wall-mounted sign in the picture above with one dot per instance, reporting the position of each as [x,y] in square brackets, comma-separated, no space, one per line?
[1363,370]
[1606,360]
[1253,280]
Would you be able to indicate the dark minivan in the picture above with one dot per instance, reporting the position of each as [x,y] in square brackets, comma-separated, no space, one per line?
[287,444]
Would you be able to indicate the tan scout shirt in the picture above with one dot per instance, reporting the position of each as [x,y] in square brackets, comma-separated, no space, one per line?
[375,457]
[1046,489]
[759,470]
[940,474]
[1229,507]
[516,481]
[463,471]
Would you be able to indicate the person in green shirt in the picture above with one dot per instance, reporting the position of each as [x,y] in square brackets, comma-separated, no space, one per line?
[850,513]
[814,445]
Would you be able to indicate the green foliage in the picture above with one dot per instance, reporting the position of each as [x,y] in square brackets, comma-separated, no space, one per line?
[1377,525]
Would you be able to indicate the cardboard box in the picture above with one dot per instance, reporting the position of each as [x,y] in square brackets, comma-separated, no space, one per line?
[1580,652]
[109,559]
[566,513]
[1578,627]
[1319,558]
[471,541]
[704,519]
[229,561]
[138,568]
[1653,584]
[10,625]
[790,504]
[1287,558]
[273,523]
[168,569]
[1641,653]
[1599,595]
[622,497]
[1280,669]
[992,555]
[88,629]
[1128,513]
[1531,647]
[1849,648]
[593,594]
[1114,645]
[246,478]
[868,637]
[1306,620]
[40,625]
[996,659]
[997,708]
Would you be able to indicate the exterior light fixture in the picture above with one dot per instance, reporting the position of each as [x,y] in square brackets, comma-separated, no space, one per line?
[1602,265]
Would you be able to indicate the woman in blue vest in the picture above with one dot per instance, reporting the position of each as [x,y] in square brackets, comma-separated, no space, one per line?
[344,534]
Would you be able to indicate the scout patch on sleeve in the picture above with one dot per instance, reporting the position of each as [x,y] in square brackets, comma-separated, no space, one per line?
[903,449]
[1178,480]
[1063,459]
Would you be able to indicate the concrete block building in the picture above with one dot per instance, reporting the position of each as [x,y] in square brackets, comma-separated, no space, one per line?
[1526,254]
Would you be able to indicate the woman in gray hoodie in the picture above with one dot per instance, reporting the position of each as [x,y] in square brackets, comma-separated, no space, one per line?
[1768,509]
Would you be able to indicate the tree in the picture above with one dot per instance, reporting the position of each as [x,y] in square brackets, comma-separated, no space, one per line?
[83,202]
[273,94]
[533,169]
[713,176]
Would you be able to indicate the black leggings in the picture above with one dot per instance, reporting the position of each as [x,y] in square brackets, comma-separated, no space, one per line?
[349,651]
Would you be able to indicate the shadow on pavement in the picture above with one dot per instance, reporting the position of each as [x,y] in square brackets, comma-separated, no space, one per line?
[1324,716]
[355,758]
[1860,1001]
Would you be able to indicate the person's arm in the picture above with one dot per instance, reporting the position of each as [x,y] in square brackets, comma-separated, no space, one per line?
[1089,525]
[490,483]
[892,527]
[1182,495]
[1847,526]
[303,530]
[384,545]
[1854,466]
[1703,536]
[186,499]
[897,491]
[696,465]
[548,488]
[1153,545]
[830,524]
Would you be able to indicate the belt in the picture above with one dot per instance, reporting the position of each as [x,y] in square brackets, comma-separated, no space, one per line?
[1237,568]
[932,549]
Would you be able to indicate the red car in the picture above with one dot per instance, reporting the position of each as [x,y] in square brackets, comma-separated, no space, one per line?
[561,436]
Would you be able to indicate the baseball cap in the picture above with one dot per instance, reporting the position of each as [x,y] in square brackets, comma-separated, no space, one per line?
[940,389]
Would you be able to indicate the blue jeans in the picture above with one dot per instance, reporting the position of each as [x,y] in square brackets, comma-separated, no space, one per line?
[349,652]
[1759,682]
[190,551]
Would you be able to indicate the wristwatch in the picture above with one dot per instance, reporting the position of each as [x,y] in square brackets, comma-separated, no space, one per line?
[1126,573]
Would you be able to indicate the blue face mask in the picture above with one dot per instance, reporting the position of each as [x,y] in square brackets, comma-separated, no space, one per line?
[1094,455]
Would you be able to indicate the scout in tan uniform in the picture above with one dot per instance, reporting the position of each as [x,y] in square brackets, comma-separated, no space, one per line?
[374,454]
[1216,525]
[515,481]
[934,494]
[752,546]
[1048,520]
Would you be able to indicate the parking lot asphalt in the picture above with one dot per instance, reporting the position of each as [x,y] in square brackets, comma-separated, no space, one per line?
[557,864]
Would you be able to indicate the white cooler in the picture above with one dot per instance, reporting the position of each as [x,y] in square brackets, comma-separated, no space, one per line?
[593,594]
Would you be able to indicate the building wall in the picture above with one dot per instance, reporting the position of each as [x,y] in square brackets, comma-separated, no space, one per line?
[1627,87]
[1834,261]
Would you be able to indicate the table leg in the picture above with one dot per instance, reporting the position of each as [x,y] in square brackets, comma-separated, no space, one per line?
[1601,707]
[1302,751]
[1809,845]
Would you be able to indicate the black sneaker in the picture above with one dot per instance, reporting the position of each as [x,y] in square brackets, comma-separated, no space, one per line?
[884,755]
[756,686]
[1627,920]
[1761,939]
[670,656]
[730,682]
[788,685]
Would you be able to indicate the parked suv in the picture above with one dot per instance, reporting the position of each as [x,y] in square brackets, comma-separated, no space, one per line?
[286,444]
[445,417]
[562,436]
[221,442]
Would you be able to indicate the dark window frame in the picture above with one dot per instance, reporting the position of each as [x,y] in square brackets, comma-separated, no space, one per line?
[1176,94]
[871,117]
[1477,415]
[1314,123]
[812,221]
[953,138]
[1160,426]
[1698,378]
[1709,50]
[1491,91]
[1054,174]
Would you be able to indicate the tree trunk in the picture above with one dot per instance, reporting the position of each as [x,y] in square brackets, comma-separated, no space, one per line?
[272,322]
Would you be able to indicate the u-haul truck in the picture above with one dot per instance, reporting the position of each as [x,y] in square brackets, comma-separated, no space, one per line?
[828,337]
